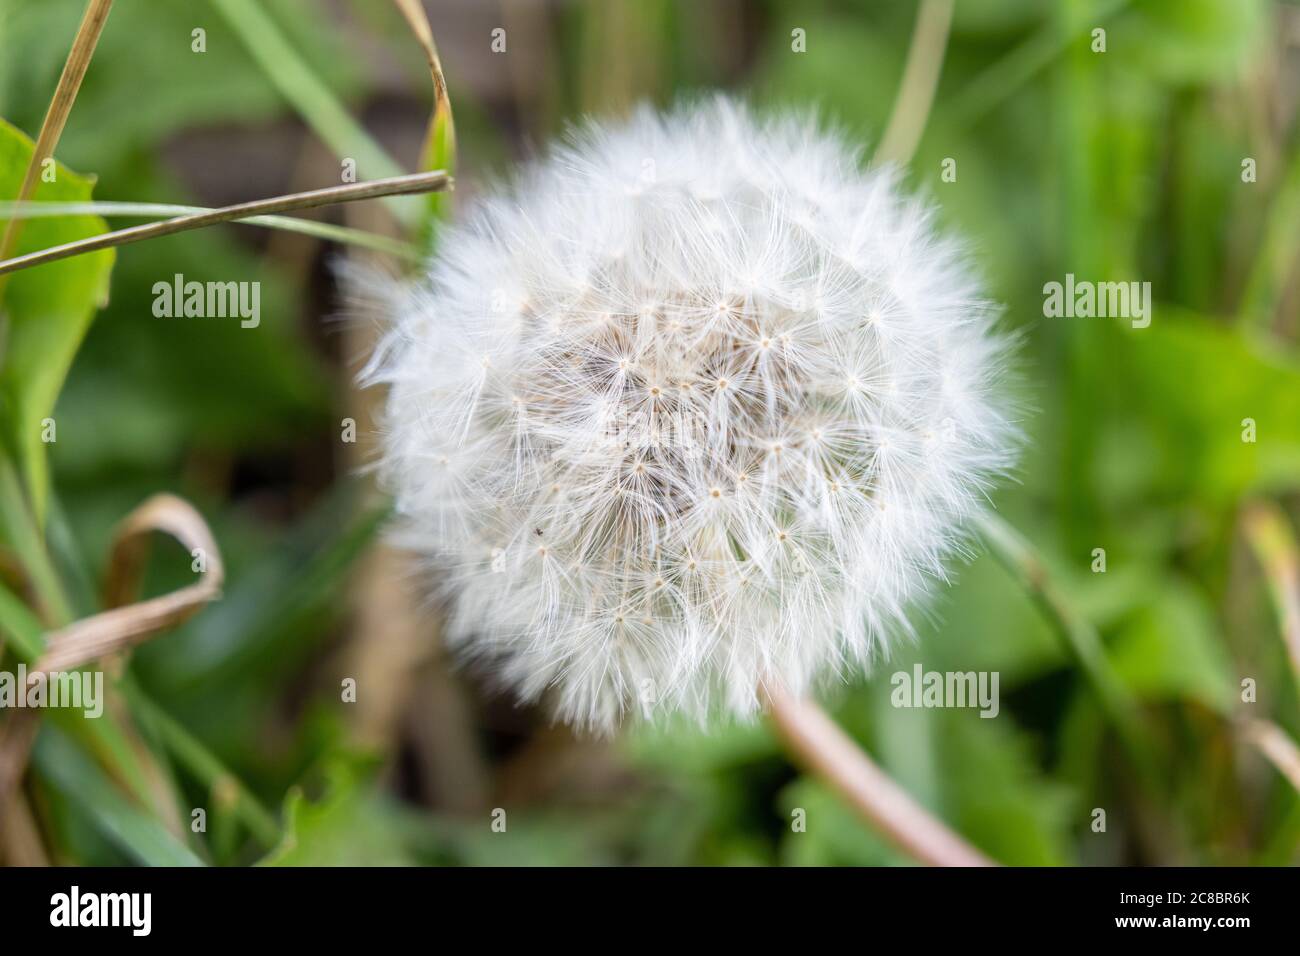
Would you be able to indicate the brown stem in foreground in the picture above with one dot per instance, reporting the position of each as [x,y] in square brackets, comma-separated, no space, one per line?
[820,744]
[121,627]
[434,181]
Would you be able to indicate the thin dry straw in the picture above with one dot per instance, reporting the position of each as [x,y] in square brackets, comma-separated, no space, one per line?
[147,210]
[65,94]
[434,181]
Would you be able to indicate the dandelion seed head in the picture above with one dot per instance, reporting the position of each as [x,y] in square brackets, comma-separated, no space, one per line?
[696,403]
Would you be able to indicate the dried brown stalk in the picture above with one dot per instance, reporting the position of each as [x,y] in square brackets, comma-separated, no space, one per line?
[121,627]
[20,841]
[441,120]
[65,94]
[434,181]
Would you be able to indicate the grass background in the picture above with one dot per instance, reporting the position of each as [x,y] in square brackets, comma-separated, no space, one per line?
[1117,166]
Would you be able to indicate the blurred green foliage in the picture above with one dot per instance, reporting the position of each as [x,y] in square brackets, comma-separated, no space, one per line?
[1119,166]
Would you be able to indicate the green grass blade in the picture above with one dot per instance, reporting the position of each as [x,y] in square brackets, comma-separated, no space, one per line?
[1003,78]
[131,829]
[19,626]
[311,97]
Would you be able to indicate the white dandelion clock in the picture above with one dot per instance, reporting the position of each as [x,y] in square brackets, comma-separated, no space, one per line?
[697,404]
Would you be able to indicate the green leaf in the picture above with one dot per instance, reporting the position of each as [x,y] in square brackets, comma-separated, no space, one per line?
[1171,648]
[352,824]
[832,834]
[311,97]
[1014,813]
[977,774]
[680,744]
[1192,384]
[1192,41]
[47,309]
[187,90]
[130,828]
[19,626]
[439,152]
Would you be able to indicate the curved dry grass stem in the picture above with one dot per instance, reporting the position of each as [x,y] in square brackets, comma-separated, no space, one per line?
[920,80]
[434,181]
[121,627]
[125,625]
[819,743]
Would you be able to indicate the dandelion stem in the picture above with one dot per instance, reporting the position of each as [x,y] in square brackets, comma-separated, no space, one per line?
[395,186]
[820,743]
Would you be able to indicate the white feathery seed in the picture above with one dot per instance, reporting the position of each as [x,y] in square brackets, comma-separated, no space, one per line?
[695,404]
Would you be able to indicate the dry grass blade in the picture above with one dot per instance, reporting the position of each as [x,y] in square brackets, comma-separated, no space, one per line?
[1275,744]
[20,842]
[439,148]
[17,735]
[65,94]
[419,21]
[414,13]
[434,181]
[325,231]
[1274,544]
[122,627]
